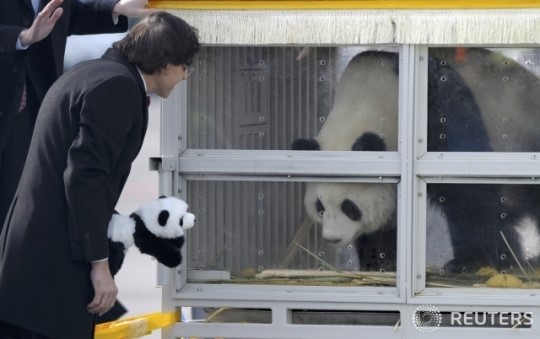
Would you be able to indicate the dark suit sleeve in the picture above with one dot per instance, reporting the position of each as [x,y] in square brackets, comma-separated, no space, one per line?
[108,114]
[9,35]
[94,17]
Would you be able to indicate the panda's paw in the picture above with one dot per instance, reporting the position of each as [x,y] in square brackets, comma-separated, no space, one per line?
[117,254]
[453,266]
[305,145]
[462,266]
[172,259]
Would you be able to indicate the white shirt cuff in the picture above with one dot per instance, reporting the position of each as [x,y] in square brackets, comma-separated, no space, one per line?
[19,46]
[100,260]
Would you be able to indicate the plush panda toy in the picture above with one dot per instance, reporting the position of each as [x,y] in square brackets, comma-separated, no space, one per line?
[156,228]
[463,116]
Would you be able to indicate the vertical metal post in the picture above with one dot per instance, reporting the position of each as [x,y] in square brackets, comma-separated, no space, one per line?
[173,128]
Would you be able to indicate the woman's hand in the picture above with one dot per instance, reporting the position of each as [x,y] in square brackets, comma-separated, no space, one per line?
[43,24]
[131,8]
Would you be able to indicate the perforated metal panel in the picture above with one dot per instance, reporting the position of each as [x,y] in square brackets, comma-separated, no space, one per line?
[255,98]
[258,97]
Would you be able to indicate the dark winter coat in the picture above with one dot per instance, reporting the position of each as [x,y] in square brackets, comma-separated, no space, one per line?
[43,62]
[89,130]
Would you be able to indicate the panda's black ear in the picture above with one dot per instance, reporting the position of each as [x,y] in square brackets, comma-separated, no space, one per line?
[163,217]
[306,145]
[369,142]
[162,196]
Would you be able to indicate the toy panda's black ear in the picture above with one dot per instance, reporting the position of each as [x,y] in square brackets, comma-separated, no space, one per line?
[369,142]
[163,217]
[306,145]
[162,196]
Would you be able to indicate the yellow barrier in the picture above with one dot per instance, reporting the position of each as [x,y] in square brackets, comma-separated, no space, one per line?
[135,327]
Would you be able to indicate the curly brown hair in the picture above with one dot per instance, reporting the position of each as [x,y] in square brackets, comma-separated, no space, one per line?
[159,39]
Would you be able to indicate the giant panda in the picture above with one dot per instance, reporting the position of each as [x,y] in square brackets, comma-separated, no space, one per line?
[504,91]
[462,118]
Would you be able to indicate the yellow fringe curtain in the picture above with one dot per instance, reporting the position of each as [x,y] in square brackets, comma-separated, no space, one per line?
[431,22]
[343,4]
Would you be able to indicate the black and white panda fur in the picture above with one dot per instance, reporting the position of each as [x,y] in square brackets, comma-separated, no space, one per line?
[156,228]
[464,111]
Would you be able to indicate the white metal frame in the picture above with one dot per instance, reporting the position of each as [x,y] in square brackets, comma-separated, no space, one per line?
[458,167]
[411,168]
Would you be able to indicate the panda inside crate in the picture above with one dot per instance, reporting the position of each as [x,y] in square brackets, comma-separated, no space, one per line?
[478,101]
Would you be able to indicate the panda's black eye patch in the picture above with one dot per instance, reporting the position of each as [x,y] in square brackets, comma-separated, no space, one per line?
[163,217]
[350,209]
[320,207]
[181,223]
